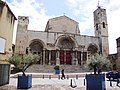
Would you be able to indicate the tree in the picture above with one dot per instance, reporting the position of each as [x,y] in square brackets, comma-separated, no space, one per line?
[22,62]
[98,62]
[57,67]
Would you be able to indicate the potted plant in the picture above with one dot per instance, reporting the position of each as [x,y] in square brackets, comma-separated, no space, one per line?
[21,63]
[57,69]
[96,81]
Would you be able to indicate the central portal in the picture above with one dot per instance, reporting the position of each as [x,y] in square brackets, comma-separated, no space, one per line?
[65,57]
[66,46]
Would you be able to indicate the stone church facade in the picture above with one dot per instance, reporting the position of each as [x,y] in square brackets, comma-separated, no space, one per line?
[61,42]
[118,54]
[115,58]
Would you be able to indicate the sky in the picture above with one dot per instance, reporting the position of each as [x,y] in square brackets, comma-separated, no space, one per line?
[39,11]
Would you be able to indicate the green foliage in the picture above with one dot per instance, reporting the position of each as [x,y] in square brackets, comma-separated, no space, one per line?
[15,60]
[100,61]
[22,62]
[57,67]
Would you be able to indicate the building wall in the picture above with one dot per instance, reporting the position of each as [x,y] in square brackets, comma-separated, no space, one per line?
[60,30]
[118,59]
[21,36]
[62,24]
[6,29]
[101,29]
[118,54]
[52,38]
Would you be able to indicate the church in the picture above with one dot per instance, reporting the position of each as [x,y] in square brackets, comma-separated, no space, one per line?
[61,41]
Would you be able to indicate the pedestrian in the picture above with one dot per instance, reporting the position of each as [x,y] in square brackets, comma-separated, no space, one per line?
[117,76]
[63,75]
[99,71]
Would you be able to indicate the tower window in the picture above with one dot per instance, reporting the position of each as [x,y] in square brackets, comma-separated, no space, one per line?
[103,24]
[96,26]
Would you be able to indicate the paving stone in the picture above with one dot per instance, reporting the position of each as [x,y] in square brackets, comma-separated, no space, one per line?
[55,83]
[43,87]
[50,87]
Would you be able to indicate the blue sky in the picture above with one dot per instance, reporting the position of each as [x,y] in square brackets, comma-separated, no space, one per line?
[39,11]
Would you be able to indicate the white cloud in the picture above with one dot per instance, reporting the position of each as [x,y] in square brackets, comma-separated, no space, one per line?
[113,13]
[3,0]
[86,8]
[83,9]
[33,9]
[114,32]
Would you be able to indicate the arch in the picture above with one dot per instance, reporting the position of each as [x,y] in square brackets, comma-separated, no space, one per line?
[92,48]
[66,42]
[36,46]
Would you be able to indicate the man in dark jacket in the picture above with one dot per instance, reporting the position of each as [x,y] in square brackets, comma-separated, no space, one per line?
[117,76]
[63,75]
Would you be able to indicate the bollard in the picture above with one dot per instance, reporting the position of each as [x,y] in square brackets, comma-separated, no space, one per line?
[110,82]
[77,77]
[67,77]
[49,76]
[59,77]
[71,82]
[118,81]
[43,76]
[84,82]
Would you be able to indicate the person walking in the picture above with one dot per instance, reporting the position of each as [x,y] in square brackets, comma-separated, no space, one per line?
[63,75]
[117,76]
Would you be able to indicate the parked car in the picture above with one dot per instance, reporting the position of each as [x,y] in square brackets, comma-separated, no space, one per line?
[113,75]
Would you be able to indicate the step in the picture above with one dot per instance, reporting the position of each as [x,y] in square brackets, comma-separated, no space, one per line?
[37,68]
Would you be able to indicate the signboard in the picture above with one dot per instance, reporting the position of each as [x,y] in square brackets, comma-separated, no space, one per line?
[2,45]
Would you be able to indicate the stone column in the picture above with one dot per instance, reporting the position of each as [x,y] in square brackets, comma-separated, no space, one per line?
[57,59]
[43,56]
[49,57]
[81,58]
[72,54]
[76,58]
[87,56]
[64,56]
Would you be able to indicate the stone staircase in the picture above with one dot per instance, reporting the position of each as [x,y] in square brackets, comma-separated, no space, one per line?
[37,68]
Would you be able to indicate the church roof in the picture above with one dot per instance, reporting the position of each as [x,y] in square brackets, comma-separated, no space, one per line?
[118,41]
[99,9]
[64,16]
[61,19]
[118,38]
[5,4]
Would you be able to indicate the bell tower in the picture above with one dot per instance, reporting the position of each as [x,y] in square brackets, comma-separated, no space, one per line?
[101,30]
[21,35]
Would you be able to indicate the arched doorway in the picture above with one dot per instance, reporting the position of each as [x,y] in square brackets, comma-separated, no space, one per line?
[92,49]
[36,47]
[66,45]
